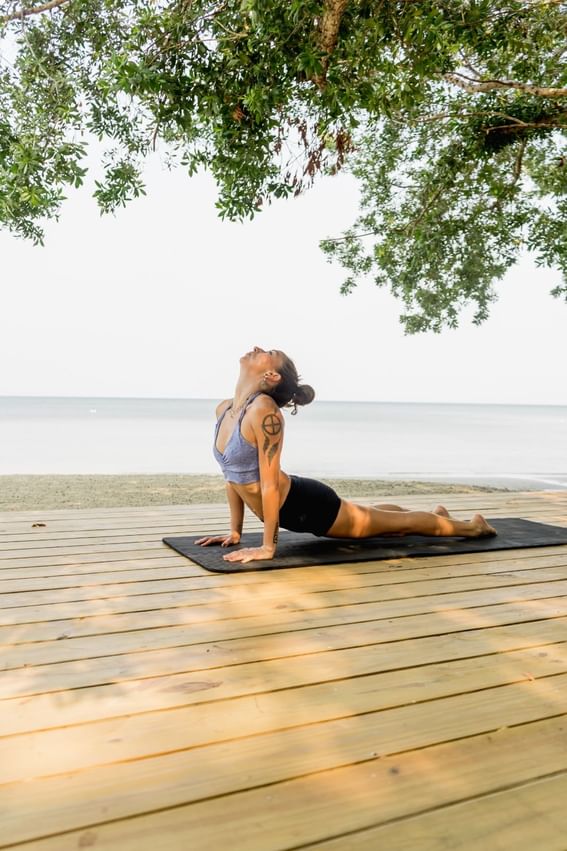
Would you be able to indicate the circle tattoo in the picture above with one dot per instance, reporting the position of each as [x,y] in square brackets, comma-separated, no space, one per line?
[271,425]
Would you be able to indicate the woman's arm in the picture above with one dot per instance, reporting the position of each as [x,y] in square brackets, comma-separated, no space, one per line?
[236,506]
[269,428]
[268,425]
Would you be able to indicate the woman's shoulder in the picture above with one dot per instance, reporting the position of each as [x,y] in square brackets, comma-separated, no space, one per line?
[222,406]
[263,404]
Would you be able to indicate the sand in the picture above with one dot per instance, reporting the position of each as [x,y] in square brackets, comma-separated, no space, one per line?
[28,493]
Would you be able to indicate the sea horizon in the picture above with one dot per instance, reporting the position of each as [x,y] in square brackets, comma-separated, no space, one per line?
[516,445]
[316,400]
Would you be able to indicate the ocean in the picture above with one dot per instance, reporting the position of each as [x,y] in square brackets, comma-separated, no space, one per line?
[516,446]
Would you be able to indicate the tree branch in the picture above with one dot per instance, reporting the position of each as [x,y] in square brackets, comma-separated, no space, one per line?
[329,24]
[476,86]
[353,236]
[411,226]
[438,116]
[518,164]
[32,10]
[517,171]
[408,229]
[518,127]
[529,4]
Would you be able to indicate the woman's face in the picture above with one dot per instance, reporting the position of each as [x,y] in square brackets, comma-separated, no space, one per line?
[262,360]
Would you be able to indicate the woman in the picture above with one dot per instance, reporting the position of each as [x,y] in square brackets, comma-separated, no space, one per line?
[248,446]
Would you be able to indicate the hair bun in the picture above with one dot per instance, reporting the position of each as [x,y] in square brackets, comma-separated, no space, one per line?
[303,395]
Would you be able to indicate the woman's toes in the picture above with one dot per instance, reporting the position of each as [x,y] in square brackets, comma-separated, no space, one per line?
[484,528]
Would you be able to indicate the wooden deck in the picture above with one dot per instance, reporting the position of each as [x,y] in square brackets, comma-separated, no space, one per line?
[146,704]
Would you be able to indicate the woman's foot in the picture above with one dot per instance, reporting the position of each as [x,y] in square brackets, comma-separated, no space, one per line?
[482,528]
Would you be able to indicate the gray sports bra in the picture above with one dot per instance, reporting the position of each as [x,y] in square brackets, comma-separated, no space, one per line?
[239,461]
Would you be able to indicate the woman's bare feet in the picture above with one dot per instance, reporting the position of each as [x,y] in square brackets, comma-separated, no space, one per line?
[441,511]
[482,528]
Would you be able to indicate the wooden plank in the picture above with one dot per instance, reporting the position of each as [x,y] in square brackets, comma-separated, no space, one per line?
[39,579]
[152,524]
[35,549]
[365,639]
[195,707]
[135,581]
[159,555]
[123,738]
[189,509]
[486,562]
[22,715]
[288,679]
[391,603]
[380,573]
[386,788]
[523,818]
[97,572]
[291,814]
[65,592]
[145,636]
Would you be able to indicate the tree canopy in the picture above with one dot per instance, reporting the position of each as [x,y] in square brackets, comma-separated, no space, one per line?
[452,114]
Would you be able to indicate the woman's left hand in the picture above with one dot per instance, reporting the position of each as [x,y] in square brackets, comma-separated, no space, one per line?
[250,554]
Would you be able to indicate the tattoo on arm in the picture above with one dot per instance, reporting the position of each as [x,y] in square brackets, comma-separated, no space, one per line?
[271,426]
[272,451]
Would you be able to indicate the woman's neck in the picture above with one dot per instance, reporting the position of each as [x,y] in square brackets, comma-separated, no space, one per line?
[243,391]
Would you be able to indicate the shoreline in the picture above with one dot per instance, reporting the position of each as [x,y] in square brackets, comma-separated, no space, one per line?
[26,492]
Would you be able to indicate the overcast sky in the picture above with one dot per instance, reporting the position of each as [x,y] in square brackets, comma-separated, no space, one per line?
[163,298]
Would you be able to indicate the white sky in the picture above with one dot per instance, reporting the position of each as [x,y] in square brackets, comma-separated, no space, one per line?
[162,299]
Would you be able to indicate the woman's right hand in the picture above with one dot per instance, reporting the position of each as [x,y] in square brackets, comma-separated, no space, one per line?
[223,540]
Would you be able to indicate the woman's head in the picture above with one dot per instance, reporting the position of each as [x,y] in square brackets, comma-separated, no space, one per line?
[279,378]
[288,392]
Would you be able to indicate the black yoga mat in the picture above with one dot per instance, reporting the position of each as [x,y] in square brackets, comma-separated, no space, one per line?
[304,550]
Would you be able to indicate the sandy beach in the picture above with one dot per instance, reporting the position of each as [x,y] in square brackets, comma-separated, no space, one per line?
[32,492]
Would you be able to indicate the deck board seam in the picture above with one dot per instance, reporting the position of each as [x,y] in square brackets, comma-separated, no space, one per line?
[259,635]
[281,729]
[230,601]
[353,676]
[272,784]
[425,811]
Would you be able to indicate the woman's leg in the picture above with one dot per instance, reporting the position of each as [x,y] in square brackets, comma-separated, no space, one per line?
[384,506]
[364,521]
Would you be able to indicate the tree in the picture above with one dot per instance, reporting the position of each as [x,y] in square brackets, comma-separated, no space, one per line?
[451,113]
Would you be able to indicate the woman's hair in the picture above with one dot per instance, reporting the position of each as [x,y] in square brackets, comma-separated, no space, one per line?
[289,393]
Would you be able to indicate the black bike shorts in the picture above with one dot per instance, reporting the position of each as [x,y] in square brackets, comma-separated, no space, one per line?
[310,506]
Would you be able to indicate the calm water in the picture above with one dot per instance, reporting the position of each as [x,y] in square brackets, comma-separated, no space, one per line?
[509,445]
